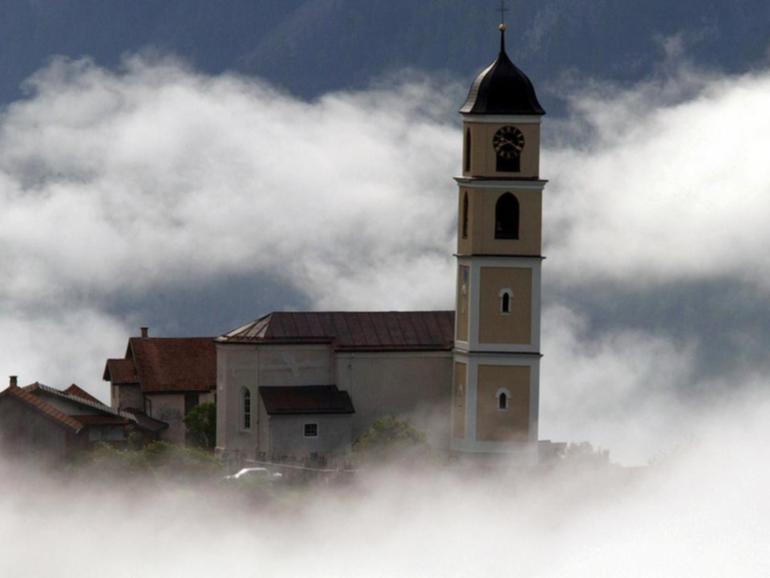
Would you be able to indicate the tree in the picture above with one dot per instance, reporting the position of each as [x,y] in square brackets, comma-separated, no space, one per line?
[390,438]
[201,425]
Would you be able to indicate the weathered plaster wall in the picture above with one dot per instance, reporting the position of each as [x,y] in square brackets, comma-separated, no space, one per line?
[415,385]
[287,437]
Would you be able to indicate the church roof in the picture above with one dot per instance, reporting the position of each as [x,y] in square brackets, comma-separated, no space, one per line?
[305,399]
[352,331]
[502,88]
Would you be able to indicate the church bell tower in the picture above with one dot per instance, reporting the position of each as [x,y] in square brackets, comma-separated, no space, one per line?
[497,328]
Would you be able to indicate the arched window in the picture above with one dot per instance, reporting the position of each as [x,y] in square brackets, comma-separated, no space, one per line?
[503,398]
[506,295]
[507,217]
[467,163]
[465,216]
[246,408]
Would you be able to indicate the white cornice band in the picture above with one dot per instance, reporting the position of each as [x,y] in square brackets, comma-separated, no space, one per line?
[501,118]
[533,185]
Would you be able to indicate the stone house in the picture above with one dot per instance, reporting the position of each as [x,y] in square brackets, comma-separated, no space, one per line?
[163,379]
[49,423]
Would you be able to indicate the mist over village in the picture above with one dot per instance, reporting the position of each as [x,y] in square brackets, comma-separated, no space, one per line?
[384,288]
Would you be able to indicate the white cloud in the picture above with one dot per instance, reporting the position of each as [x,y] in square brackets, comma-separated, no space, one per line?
[670,184]
[121,182]
[117,185]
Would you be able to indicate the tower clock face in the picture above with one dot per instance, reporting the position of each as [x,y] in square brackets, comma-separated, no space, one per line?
[508,142]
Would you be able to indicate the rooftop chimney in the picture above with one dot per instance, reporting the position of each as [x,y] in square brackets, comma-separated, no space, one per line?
[14,381]
[145,332]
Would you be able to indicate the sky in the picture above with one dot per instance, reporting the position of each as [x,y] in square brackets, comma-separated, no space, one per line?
[155,194]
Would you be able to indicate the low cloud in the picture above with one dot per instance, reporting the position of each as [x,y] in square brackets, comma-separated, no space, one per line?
[700,512]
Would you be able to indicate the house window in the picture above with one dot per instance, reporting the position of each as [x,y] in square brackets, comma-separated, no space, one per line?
[506,295]
[503,399]
[507,217]
[467,163]
[246,408]
[190,402]
[465,216]
[311,430]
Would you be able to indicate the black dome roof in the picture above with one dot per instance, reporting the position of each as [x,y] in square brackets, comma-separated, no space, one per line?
[501,88]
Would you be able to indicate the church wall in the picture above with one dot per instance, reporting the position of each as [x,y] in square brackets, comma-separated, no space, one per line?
[253,366]
[460,399]
[482,223]
[463,287]
[295,365]
[512,327]
[493,424]
[484,157]
[287,437]
[415,385]
[237,367]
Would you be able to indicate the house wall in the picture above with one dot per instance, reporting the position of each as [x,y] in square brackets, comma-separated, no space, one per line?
[127,396]
[169,407]
[113,433]
[287,437]
[413,385]
[26,433]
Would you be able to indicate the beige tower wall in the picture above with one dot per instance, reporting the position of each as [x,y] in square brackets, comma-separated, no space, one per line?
[497,327]
[459,399]
[493,424]
[484,158]
[481,222]
[463,290]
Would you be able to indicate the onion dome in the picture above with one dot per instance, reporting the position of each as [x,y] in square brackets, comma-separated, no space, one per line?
[502,88]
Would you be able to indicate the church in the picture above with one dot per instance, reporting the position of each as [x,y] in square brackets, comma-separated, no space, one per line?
[296,385]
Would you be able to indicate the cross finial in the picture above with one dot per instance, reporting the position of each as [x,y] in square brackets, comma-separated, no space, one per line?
[502,27]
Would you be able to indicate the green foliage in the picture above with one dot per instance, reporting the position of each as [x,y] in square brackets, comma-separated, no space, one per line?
[390,438]
[159,459]
[201,425]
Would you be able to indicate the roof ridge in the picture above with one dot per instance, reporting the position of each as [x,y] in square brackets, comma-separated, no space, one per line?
[45,408]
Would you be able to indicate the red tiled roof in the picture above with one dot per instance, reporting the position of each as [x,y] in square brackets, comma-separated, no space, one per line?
[46,409]
[76,391]
[353,331]
[305,399]
[144,421]
[120,372]
[100,419]
[165,364]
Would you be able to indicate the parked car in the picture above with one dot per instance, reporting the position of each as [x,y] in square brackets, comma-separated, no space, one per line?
[255,473]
